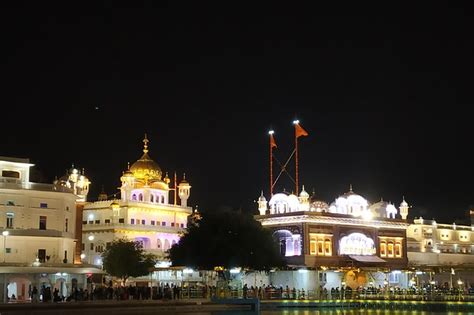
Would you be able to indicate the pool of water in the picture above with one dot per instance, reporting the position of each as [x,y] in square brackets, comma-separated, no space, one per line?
[303,311]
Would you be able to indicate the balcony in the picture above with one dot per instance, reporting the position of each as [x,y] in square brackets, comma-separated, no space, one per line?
[15,183]
[127,226]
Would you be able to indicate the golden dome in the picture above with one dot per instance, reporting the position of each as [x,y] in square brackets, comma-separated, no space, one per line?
[145,169]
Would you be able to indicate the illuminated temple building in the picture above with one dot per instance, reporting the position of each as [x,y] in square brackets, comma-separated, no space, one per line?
[144,212]
[348,241]
[352,242]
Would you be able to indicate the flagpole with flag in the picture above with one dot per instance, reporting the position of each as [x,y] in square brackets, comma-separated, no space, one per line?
[299,132]
[272,145]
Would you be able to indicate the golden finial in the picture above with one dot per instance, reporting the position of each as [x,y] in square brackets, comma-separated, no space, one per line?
[145,144]
[350,187]
[128,166]
[184,176]
[167,180]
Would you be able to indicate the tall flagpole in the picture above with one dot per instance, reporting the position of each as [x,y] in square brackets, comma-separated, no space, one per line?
[296,159]
[299,131]
[175,188]
[272,144]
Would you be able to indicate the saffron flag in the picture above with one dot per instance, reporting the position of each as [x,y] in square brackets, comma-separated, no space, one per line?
[272,142]
[299,131]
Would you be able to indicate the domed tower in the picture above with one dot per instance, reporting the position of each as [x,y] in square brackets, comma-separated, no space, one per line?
[76,181]
[142,182]
[184,191]
[128,182]
[102,195]
[145,170]
[262,204]
[404,209]
[304,200]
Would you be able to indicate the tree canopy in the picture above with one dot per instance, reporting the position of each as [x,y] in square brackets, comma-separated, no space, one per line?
[124,259]
[228,239]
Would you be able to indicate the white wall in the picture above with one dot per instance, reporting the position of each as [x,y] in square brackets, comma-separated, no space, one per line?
[24,249]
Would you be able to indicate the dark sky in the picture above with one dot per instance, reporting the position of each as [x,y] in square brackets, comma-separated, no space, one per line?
[385,94]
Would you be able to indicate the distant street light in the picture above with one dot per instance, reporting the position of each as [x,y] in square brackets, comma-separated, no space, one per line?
[90,238]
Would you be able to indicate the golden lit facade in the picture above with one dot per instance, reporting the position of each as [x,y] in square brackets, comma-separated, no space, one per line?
[364,240]
[144,212]
[444,245]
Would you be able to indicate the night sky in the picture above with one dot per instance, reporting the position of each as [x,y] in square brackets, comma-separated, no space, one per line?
[385,95]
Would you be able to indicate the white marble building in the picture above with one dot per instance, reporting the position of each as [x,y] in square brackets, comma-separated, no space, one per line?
[38,238]
[145,212]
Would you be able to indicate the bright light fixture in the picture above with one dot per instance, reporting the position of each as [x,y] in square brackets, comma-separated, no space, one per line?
[295,122]
[163,264]
[91,237]
[271,132]
[235,270]
[5,233]
[187,270]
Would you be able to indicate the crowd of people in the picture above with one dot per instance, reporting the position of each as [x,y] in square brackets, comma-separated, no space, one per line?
[172,291]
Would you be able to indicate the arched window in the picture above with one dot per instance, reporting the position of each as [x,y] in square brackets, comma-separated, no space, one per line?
[152,198]
[383,249]
[134,197]
[312,246]
[166,246]
[140,197]
[398,249]
[162,199]
[158,243]
[327,247]
[320,247]
[390,249]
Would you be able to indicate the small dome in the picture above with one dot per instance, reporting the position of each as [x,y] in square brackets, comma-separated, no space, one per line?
[379,209]
[167,180]
[319,206]
[304,194]
[349,193]
[404,203]
[145,169]
[127,174]
[293,202]
[262,197]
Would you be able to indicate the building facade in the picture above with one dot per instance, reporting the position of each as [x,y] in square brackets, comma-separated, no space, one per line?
[38,224]
[144,213]
[350,242]
[442,254]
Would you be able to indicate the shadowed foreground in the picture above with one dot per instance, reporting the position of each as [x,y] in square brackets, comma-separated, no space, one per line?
[121,307]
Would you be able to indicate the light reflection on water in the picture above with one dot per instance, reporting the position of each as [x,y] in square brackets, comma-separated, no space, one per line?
[358,312]
[300,311]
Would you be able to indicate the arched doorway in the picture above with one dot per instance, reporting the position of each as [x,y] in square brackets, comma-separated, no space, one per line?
[19,288]
[61,286]
[289,243]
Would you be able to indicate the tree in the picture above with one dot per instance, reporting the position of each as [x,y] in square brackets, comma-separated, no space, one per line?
[228,239]
[124,259]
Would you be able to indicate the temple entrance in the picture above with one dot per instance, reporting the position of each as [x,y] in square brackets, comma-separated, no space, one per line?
[19,288]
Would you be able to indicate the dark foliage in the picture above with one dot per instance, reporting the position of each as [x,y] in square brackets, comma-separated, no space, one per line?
[124,259]
[228,239]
